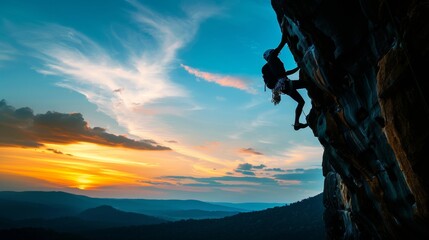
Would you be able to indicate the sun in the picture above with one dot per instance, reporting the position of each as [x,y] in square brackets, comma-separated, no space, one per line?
[83,182]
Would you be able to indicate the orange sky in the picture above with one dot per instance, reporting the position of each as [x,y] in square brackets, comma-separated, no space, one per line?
[60,151]
[133,103]
[89,166]
[101,170]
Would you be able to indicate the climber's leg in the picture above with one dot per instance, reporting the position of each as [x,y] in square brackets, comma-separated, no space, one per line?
[297,97]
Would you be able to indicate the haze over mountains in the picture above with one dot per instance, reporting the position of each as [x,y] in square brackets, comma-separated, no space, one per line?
[301,220]
[32,204]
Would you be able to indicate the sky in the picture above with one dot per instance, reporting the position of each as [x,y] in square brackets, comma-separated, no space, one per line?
[149,99]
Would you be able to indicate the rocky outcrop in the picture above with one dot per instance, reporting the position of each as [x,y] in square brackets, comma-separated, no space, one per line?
[364,62]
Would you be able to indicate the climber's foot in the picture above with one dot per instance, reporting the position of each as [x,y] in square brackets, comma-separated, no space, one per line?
[299,126]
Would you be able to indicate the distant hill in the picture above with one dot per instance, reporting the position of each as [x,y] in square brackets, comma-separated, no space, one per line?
[298,221]
[95,218]
[63,224]
[143,205]
[250,206]
[34,204]
[191,214]
[51,198]
[111,215]
[13,209]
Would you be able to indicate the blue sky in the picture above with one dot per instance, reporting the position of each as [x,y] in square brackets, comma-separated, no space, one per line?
[185,75]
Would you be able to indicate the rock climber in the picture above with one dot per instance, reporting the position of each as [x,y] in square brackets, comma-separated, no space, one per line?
[275,78]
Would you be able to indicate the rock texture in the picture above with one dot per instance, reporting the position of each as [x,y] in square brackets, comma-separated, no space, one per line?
[365,62]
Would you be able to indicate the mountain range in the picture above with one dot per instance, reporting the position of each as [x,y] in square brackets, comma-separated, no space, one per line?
[300,220]
[47,205]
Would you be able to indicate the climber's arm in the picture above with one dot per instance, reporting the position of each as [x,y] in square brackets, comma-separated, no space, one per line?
[292,71]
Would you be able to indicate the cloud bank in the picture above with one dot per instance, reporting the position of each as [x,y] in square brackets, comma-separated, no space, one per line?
[302,175]
[248,169]
[223,181]
[296,177]
[20,127]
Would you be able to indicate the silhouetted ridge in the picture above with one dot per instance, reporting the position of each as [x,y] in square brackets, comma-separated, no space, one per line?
[300,220]
[21,210]
[109,214]
[21,205]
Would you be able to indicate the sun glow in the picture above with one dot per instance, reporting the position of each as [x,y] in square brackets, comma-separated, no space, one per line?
[88,166]
[84,182]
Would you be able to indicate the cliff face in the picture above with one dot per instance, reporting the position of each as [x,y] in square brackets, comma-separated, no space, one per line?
[365,62]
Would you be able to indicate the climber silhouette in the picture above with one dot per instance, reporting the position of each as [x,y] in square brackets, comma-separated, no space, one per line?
[275,78]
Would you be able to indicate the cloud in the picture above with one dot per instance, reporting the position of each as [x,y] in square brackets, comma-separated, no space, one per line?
[263,119]
[261,166]
[250,151]
[54,150]
[223,181]
[240,188]
[220,99]
[7,52]
[302,175]
[222,80]
[244,172]
[134,88]
[274,170]
[20,127]
[247,168]
[156,183]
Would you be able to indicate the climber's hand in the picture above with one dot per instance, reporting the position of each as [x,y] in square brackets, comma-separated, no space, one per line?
[275,53]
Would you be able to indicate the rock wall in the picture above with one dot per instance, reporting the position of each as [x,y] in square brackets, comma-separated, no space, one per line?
[364,62]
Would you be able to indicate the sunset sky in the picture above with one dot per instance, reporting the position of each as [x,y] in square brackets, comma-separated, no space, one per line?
[160,99]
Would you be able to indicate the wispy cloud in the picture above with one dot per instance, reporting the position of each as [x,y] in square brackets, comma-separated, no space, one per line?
[262,120]
[7,52]
[223,181]
[274,170]
[298,155]
[133,89]
[222,80]
[249,151]
[257,101]
[302,175]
